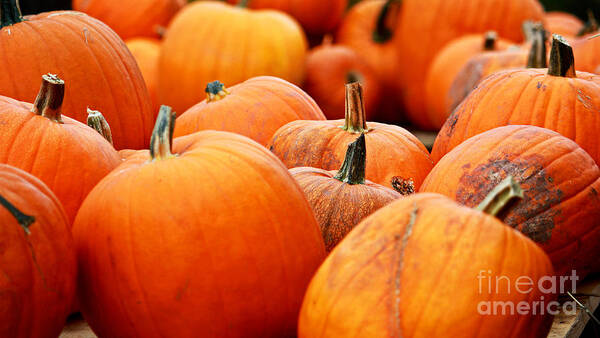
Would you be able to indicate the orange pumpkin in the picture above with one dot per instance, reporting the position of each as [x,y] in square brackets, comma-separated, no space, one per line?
[446,66]
[420,267]
[558,98]
[561,206]
[563,23]
[425,27]
[210,40]
[255,108]
[65,154]
[132,18]
[329,68]
[586,50]
[38,262]
[341,199]
[393,154]
[146,53]
[232,223]
[89,56]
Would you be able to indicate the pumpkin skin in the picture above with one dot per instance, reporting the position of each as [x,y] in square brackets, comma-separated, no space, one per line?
[260,241]
[132,18]
[446,66]
[560,181]
[383,279]
[328,69]
[193,52]
[586,50]
[39,268]
[255,108]
[439,22]
[38,6]
[563,23]
[146,53]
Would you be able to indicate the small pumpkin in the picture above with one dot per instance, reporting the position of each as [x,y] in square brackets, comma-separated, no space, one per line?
[38,261]
[146,52]
[38,6]
[259,239]
[255,108]
[562,23]
[341,199]
[209,40]
[393,154]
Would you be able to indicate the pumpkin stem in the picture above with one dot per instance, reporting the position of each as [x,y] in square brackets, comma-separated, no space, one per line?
[562,61]
[96,121]
[527,28]
[537,54]
[353,76]
[489,42]
[25,221]
[353,168]
[590,26]
[162,136]
[404,186]
[382,33]
[10,13]
[216,91]
[48,102]
[243,3]
[356,119]
[500,196]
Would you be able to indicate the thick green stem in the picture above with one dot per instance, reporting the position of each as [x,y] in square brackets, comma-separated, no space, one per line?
[10,13]
[562,61]
[501,196]
[215,91]
[25,221]
[382,33]
[48,102]
[489,42]
[353,168]
[162,136]
[538,51]
[356,119]
[96,121]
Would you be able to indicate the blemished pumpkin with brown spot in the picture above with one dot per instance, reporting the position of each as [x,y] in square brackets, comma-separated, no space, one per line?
[560,181]
[391,150]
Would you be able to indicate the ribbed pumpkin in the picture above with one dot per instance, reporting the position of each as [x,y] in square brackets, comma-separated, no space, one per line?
[316,16]
[393,154]
[329,68]
[38,262]
[557,98]
[446,66]
[255,108]
[132,18]
[89,56]
[586,50]
[369,29]
[561,183]
[39,6]
[146,53]
[65,154]
[210,40]
[420,267]
[425,27]
[211,239]
[341,199]
[563,23]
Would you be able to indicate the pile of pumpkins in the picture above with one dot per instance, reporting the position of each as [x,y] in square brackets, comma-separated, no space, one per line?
[237,168]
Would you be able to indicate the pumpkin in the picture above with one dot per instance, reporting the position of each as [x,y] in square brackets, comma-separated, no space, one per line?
[65,154]
[368,29]
[420,267]
[39,6]
[445,67]
[38,262]
[563,23]
[132,18]
[99,69]
[586,50]
[557,98]
[146,52]
[213,220]
[561,206]
[438,22]
[329,68]
[317,17]
[341,199]
[209,40]
[393,154]
[255,108]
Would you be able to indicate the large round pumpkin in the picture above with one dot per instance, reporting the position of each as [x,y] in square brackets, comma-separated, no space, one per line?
[65,154]
[211,239]
[561,206]
[37,284]
[210,40]
[420,267]
[557,98]
[100,72]
[132,18]
[393,154]
[39,6]
[146,52]
[255,108]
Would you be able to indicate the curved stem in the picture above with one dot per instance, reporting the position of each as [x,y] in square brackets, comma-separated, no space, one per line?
[489,42]
[10,13]
[216,91]
[562,61]
[382,33]
[48,102]
[501,196]
[162,136]
[25,221]
[537,53]
[96,121]
[353,168]
[356,120]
